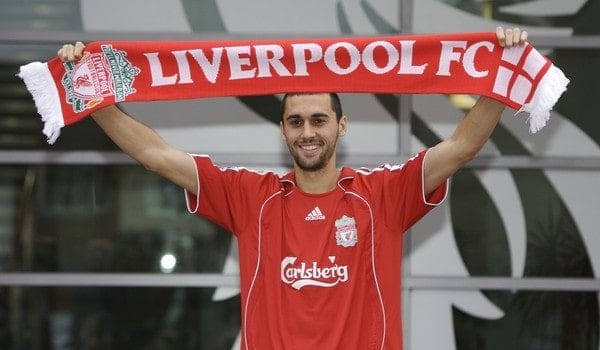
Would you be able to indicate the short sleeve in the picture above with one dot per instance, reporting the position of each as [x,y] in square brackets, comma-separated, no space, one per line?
[223,194]
[226,196]
[212,200]
[404,193]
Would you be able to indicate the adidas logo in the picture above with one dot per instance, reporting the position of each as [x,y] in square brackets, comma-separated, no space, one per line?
[315,214]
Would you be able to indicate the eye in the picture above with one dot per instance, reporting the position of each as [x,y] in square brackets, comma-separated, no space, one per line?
[296,122]
[318,121]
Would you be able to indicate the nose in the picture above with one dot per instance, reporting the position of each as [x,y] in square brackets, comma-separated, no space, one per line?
[308,131]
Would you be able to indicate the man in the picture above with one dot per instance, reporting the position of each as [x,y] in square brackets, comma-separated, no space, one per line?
[320,248]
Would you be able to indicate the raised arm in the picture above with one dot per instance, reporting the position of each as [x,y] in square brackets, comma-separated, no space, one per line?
[139,141]
[444,159]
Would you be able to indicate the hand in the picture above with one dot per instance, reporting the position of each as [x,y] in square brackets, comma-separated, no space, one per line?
[69,52]
[511,36]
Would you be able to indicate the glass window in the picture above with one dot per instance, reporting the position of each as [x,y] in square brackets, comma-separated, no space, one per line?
[499,320]
[513,222]
[80,218]
[116,318]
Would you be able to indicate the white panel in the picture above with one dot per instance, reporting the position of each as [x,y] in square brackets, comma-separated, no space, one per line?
[268,17]
[542,8]
[133,15]
[451,19]
[520,90]
[502,81]
[513,54]
[534,63]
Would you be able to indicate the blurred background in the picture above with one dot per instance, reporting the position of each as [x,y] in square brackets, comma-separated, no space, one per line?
[97,253]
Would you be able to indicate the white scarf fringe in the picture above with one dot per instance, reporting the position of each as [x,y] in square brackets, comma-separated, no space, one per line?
[548,91]
[40,84]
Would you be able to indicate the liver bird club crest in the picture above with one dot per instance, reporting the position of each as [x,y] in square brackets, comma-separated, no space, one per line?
[346,234]
[96,76]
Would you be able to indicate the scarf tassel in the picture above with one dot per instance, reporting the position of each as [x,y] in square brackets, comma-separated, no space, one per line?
[548,91]
[37,78]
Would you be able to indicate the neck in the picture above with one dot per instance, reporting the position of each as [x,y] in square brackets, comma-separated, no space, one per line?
[317,182]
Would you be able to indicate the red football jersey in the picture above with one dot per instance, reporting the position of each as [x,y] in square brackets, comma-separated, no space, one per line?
[317,271]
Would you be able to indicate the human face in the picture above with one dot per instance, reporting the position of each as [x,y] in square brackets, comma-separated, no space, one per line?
[310,129]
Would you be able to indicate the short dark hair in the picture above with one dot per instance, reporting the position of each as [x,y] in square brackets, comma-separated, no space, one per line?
[336,104]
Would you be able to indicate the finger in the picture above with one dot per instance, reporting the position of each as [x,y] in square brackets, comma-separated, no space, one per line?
[63,52]
[516,36]
[524,36]
[509,37]
[71,53]
[501,37]
[78,50]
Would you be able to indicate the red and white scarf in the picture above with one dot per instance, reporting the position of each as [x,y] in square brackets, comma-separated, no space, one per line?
[460,63]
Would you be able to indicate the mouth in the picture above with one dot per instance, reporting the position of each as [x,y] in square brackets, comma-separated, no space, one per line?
[309,149]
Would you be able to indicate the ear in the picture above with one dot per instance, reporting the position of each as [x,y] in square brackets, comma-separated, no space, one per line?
[281,130]
[343,126]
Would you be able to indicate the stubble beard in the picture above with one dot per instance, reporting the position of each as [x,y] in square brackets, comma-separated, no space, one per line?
[319,163]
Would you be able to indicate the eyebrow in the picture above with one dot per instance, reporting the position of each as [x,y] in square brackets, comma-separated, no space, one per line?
[314,115]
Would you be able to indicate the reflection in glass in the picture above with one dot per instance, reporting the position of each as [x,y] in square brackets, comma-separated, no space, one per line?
[102,219]
[116,318]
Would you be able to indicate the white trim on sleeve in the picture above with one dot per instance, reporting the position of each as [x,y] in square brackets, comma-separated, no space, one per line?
[187,193]
[446,185]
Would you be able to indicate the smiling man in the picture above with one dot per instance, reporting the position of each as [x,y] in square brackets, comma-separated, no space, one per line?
[320,247]
[311,125]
